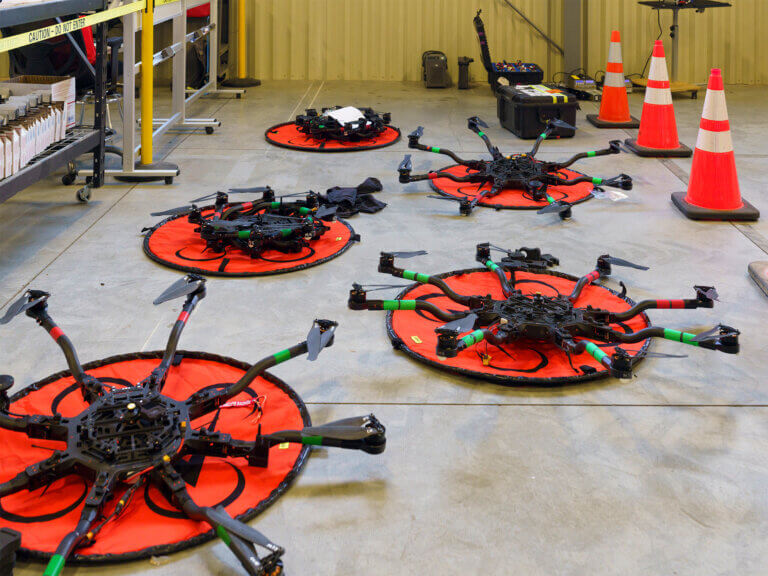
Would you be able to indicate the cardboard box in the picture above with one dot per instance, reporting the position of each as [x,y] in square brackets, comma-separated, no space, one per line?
[62,89]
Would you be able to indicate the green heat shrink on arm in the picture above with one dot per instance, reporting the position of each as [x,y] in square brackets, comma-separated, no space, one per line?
[677,336]
[473,338]
[398,304]
[55,565]
[410,275]
[595,351]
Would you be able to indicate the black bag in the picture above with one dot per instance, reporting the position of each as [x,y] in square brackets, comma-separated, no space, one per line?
[434,66]
[350,201]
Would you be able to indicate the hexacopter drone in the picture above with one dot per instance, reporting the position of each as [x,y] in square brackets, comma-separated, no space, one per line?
[140,434]
[532,183]
[250,238]
[537,322]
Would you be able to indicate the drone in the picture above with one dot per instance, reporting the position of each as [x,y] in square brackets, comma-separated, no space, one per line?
[558,319]
[518,171]
[323,126]
[269,223]
[136,434]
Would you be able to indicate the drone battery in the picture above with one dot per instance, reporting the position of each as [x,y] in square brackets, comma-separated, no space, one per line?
[525,110]
[434,66]
[10,540]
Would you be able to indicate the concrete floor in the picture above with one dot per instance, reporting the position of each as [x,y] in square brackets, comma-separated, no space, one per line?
[664,474]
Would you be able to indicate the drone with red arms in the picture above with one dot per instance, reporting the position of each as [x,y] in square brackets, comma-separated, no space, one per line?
[130,436]
[559,319]
[518,171]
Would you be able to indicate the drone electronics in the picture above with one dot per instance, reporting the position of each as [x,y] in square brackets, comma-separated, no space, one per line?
[513,72]
[335,129]
[517,322]
[271,235]
[148,453]
[519,181]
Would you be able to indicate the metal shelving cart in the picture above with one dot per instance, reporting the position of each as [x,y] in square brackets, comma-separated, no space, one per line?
[79,140]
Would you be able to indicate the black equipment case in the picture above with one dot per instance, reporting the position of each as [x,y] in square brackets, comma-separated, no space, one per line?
[514,72]
[434,66]
[525,109]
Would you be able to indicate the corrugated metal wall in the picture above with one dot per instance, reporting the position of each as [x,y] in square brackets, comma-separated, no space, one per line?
[384,39]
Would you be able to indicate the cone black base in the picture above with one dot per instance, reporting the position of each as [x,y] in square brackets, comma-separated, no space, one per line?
[139,177]
[759,273]
[241,82]
[745,213]
[593,118]
[682,152]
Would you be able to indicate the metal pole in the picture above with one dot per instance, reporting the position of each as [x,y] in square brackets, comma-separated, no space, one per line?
[674,34]
[147,78]
[242,80]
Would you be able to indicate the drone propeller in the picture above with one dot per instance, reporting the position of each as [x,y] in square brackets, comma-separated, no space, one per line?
[406,165]
[664,355]
[621,262]
[476,121]
[320,336]
[377,287]
[461,325]
[346,429]
[558,207]
[181,287]
[708,292]
[712,334]
[407,254]
[253,190]
[180,211]
[222,518]
[418,133]
[560,124]
[27,301]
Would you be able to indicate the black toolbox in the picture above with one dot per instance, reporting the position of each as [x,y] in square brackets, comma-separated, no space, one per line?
[525,109]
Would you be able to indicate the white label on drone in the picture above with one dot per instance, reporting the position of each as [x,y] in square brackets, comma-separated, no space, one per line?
[345,115]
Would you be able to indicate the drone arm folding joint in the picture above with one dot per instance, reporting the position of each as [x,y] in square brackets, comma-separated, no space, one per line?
[499,271]
[583,282]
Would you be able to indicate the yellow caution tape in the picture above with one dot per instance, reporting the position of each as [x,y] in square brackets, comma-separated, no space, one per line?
[164,2]
[34,36]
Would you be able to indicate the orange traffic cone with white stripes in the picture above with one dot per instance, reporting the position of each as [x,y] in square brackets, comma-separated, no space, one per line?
[658,130]
[614,106]
[713,188]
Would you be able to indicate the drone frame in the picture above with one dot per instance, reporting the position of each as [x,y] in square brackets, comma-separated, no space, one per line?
[322,127]
[487,319]
[519,171]
[144,404]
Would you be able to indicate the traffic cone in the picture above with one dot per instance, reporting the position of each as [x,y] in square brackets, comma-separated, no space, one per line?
[614,106]
[713,188]
[658,130]
[759,273]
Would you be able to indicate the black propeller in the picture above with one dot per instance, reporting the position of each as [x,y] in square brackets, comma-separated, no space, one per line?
[183,286]
[180,211]
[326,212]
[461,325]
[664,355]
[560,124]
[27,301]
[558,207]
[621,262]
[320,336]
[713,334]
[254,190]
[418,133]
[707,292]
[345,429]
[406,165]
[406,254]
[474,122]
[377,287]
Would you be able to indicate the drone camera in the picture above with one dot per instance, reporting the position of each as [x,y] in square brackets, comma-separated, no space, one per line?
[447,342]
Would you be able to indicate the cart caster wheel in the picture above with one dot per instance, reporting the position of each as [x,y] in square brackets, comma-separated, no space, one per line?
[84,194]
[209,129]
[88,179]
[168,180]
[69,179]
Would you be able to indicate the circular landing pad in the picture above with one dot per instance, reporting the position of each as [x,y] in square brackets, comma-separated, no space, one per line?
[150,525]
[174,243]
[287,135]
[521,363]
[510,198]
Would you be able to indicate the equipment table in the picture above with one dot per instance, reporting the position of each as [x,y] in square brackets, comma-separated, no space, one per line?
[699,6]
